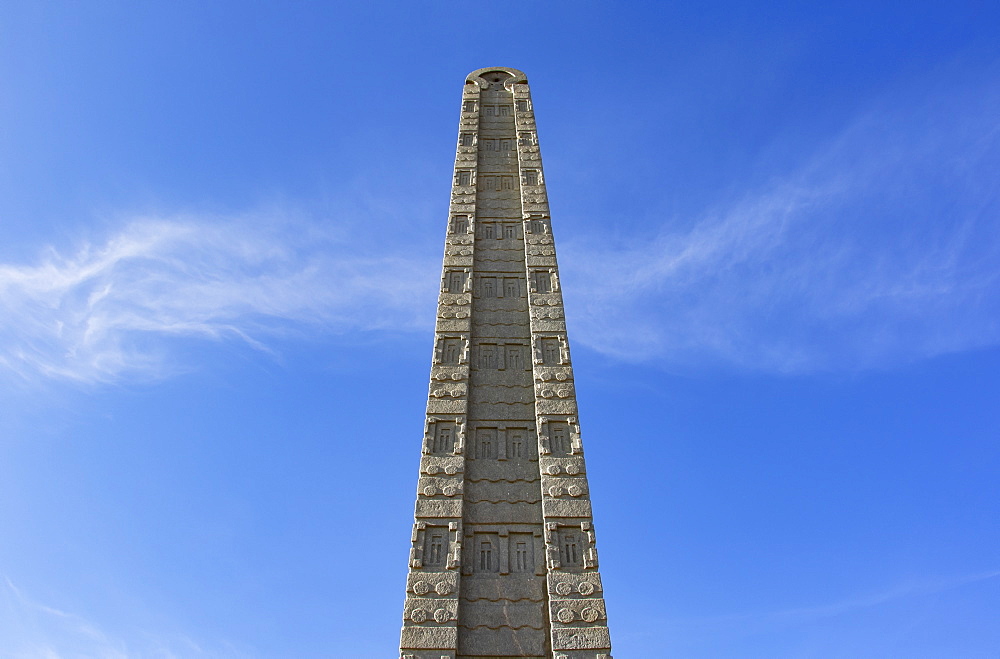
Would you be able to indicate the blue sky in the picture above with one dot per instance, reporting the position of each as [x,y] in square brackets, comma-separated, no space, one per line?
[779,236]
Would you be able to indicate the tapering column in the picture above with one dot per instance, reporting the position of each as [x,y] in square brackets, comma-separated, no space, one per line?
[503,561]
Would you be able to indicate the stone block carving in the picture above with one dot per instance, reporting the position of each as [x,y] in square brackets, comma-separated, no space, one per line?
[591,638]
[420,637]
[440,508]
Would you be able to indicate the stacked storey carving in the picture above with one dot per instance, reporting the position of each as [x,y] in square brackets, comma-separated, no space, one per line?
[503,561]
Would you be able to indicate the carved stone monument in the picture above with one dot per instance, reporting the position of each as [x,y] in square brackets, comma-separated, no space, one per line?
[503,562]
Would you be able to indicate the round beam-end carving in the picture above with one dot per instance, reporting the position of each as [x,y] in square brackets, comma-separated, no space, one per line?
[495,75]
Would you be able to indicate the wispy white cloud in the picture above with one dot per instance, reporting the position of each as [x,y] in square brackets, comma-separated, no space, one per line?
[883,247]
[32,630]
[116,308]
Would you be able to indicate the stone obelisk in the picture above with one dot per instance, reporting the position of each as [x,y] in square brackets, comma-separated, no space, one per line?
[503,562]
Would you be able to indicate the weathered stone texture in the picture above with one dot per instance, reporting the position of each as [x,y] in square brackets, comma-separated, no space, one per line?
[504,561]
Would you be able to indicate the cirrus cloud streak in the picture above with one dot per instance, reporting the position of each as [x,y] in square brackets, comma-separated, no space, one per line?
[114,309]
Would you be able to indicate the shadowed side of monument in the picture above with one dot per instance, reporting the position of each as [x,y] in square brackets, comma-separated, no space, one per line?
[503,561]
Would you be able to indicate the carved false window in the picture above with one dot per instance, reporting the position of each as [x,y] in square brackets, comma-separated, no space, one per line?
[489,110]
[460,224]
[467,139]
[451,351]
[526,138]
[522,106]
[531,177]
[570,549]
[488,357]
[542,281]
[521,563]
[444,438]
[517,444]
[514,360]
[521,553]
[505,110]
[559,439]
[508,182]
[486,444]
[486,558]
[487,231]
[488,286]
[511,287]
[436,548]
[469,106]
[464,177]
[536,226]
[456,282]
[506,145]
[509,231]
[551,351]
